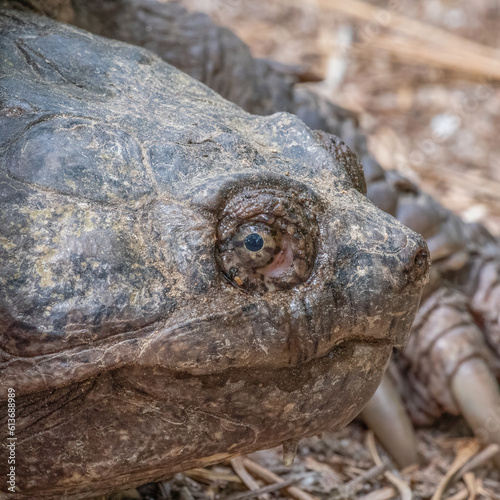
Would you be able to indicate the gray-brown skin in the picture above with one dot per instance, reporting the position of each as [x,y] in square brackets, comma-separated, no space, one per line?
[132,352]
[465,282]
[453,356]
[190,41]
[459,322]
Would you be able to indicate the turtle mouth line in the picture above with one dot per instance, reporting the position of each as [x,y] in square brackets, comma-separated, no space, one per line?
[347,356]
[345,348]
[339,354]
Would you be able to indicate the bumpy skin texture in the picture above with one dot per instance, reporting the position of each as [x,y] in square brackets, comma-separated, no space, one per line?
[189,41]
[131,354]
[460,320]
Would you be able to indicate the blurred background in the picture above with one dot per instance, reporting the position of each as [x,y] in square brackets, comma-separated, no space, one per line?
[424,76]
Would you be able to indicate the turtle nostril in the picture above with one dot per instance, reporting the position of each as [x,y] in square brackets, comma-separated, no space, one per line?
[422,259]
[417,268]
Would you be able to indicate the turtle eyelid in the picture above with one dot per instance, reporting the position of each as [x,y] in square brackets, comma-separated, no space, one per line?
[216,193]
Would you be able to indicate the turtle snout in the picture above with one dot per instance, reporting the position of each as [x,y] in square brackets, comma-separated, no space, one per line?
[415,260]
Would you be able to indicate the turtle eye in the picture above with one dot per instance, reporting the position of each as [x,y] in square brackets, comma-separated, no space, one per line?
[267,251]
[254,242]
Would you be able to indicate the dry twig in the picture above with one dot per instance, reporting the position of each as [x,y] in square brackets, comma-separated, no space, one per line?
[413,51]
[250,482]
[461,495]
[210,475]
[471,483]
[482,457]
[264,490]
[350,489]
[465,452]
[455,52]
[270,477]
[382,494]
[401,485]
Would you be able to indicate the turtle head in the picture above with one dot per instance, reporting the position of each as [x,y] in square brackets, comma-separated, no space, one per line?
[193,280]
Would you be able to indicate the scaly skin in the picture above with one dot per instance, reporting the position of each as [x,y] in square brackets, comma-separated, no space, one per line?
[458,320]
[141,334]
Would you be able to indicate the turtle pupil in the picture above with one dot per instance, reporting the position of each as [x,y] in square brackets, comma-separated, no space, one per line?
[254,242]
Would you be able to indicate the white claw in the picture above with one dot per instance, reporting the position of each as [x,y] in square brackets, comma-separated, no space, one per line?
[289,451]
[386,415]
[477,394]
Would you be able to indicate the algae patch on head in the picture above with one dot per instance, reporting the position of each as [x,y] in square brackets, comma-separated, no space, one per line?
[42,266]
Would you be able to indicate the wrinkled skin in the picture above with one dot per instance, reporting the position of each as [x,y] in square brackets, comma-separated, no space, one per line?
[452,360]
[132,351]
[462,299]
[459,321]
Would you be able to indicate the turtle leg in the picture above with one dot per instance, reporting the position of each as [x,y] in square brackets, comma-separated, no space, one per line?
[448,366]
[386,415]
[474,384]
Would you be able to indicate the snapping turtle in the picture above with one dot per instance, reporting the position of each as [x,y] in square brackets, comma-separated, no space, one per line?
[463,296]
[180,281]
[453,357]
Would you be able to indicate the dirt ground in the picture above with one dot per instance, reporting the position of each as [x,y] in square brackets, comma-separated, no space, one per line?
[430,104]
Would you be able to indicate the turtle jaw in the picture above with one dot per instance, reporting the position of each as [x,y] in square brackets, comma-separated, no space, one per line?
[264,335]
[257,408]
[156,422]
